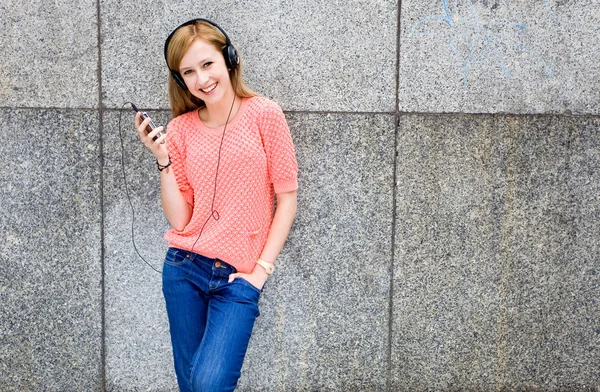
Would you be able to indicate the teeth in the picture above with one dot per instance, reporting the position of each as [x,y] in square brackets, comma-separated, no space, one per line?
[208,90]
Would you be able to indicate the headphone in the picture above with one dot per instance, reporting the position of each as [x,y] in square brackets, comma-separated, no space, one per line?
[229,53]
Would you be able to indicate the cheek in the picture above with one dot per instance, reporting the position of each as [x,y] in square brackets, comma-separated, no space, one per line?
[188,79]
[226,77]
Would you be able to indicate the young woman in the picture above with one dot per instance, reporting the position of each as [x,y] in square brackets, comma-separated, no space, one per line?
[226,156]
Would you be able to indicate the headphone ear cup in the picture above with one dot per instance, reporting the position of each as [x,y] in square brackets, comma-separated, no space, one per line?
[178,79]
[231,57]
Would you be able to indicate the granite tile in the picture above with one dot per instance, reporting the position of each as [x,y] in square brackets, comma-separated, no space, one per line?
[499,57]
[50,252]
[138,349]
[551,334]
[495,275]
[50,54]
[306,56]
[324,321]
[449,194]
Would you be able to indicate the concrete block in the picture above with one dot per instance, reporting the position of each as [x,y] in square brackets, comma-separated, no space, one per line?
[499,57]
[335,56]
[495,275]
[50,54]
[50,251]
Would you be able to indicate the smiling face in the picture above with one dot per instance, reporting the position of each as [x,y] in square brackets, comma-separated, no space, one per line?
[197,42]
[205,74]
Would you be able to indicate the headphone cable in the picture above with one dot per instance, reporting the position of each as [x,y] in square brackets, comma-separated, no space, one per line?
[214,213]
[127,191]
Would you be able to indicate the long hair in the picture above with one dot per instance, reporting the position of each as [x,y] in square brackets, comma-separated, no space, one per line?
[182,101]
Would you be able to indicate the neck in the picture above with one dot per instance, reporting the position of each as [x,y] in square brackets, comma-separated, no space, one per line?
[216,114]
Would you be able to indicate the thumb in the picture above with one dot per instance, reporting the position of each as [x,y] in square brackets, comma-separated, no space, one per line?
[232,277]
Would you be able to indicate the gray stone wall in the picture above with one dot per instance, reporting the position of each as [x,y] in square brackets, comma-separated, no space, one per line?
[448,231]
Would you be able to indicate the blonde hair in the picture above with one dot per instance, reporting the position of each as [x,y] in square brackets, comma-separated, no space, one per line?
[182,100]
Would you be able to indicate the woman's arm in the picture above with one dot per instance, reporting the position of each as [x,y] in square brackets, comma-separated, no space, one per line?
[177,210]
[285,213]
[280,228]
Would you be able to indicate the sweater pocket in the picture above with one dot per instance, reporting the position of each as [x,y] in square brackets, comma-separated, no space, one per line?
[257,237]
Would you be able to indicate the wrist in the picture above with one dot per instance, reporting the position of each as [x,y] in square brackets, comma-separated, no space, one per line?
[164,166]
[260,271]
[163,161]
[267,267]
[259,276]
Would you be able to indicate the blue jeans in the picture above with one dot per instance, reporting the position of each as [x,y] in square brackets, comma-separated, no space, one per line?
[210,320]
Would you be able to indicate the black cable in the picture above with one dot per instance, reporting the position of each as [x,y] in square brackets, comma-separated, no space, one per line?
[127,191]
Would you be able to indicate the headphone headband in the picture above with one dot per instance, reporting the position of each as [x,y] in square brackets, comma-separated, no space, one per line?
[229,52]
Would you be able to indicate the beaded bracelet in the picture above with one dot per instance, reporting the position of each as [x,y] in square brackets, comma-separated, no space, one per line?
[161,167]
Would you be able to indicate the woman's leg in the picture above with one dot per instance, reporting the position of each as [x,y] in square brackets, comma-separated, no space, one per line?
[184,281]
[232,310]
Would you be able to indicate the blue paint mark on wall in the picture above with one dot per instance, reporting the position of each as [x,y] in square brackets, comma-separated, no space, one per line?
[478,43]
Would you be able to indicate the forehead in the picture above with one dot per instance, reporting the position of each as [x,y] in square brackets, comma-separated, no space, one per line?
[198,50]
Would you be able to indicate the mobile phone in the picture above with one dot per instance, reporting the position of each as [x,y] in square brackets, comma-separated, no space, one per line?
[150,126]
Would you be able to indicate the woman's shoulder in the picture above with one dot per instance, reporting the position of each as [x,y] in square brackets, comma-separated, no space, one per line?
[263,106]
[182,122]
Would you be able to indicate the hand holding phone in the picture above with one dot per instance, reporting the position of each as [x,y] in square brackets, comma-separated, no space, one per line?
[150,126]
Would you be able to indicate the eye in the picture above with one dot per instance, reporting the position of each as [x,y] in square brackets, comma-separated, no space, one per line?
[187,72]
[207,64]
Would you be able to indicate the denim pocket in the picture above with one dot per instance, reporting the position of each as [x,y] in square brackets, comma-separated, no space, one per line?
[240,291]
[245,282]
[176,265]
[175,256]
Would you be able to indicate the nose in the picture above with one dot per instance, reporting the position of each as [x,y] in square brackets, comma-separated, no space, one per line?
[202,79]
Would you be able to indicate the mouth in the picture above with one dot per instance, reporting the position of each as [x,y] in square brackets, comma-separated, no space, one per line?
[209,89]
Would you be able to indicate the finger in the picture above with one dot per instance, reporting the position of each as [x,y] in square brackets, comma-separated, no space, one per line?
[142,127]
[158,136]
[233,277]
[161,139]
[136,119]
[155,132]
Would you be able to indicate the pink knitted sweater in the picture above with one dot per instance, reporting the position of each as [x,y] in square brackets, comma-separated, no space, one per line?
[257,161]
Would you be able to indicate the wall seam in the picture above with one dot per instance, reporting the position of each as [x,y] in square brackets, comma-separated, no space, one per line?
[333,112]
[394,171]
[101,143]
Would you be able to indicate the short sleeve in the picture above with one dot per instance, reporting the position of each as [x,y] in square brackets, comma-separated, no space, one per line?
[177,154]
[279,149]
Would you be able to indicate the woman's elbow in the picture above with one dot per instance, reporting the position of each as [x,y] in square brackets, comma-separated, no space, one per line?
[178,227]
[178,224]
[180,220]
